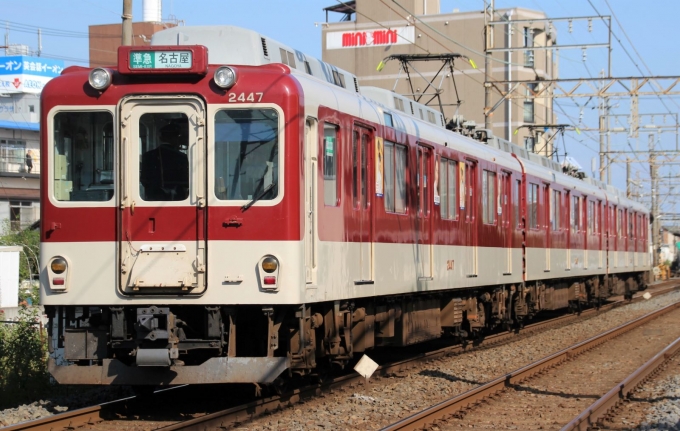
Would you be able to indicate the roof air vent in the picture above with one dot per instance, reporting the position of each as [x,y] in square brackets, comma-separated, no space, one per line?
[264,47]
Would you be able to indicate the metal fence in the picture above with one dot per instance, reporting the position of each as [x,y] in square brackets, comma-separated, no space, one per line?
[15,159]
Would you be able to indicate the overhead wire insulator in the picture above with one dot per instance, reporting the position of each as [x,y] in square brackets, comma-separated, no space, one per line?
[585,56]
[590,25]
[571,26]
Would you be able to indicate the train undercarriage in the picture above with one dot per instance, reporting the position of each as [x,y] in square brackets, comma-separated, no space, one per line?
[164,345]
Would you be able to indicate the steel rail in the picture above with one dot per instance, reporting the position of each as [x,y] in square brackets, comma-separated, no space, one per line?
[603,408]
[236,415]
[475,396]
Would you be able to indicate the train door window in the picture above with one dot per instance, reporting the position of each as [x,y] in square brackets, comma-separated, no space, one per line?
[618,223]
[575,214]
[555,204]
[488,197]
[630,225]
[389,177]
[441,187]
[246,154]
[515,203]
[400,155]
[451,186]
[423,182]
[532,204]
[330,164]
[83,156]
[448,170]
[355,167]
[364,170]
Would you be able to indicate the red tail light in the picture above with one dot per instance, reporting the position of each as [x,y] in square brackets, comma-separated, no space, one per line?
[270,280]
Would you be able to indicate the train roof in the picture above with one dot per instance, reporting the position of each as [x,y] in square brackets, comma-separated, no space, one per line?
[238,46]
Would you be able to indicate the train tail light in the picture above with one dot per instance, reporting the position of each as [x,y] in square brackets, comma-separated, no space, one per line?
[58,274]
[269,268]
[100,78]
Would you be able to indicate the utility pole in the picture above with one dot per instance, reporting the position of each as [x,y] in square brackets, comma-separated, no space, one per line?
[127,23]
[628,187]
[655,200]
[488,45]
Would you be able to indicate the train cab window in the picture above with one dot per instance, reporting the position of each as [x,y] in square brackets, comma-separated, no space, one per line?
[488,197]
[164,168]
[83,156]
[246,154]
[330,164]
[532,205]
[448,171]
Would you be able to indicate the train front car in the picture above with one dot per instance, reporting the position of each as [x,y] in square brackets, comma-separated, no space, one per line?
[170,218]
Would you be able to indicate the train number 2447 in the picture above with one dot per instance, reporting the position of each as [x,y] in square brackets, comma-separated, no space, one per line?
[243,97]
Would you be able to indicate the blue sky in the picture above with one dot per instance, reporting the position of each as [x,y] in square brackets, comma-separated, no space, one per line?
[649,25]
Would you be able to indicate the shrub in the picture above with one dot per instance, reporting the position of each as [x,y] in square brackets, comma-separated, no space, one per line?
[23,359]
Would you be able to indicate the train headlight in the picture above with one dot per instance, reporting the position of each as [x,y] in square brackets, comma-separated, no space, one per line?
[225,77]
[58,274]
[269,269]
[100,78]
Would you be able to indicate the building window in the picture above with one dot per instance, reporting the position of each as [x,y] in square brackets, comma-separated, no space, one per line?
[448,169]
[488,197]
[21,214]
[532,204]
[31,108]
[528,43]
[330,164]
[529,103]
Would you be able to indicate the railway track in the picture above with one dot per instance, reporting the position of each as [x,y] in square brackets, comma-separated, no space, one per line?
[544,393]
[94,417]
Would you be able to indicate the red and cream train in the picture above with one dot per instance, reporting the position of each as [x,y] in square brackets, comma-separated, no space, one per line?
[293,220]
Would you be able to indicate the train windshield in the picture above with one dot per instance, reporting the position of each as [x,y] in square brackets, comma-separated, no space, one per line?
[83,156]
[246,154]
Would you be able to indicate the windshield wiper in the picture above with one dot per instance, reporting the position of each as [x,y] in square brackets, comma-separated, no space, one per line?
[258,197]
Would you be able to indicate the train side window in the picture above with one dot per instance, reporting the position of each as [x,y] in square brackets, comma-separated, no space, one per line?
[246,154]
[395,178]
[83,156]
[532,204]
[488,197]
[330,164]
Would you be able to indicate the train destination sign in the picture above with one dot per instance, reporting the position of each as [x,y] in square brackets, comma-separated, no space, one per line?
[160,59]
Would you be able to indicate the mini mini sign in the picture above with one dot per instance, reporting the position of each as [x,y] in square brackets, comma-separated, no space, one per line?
[160,59]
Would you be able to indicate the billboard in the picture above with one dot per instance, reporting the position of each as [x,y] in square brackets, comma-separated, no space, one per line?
[370,38]
[23,74]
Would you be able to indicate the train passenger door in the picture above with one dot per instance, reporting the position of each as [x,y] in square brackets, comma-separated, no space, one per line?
[423,229]
[311,163]
[505,218]
[547,223]
[470,225]
[362,140]
[162,190]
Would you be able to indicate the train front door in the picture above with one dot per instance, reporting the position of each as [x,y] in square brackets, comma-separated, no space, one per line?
[162,208]
[362,192]
[505,218]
